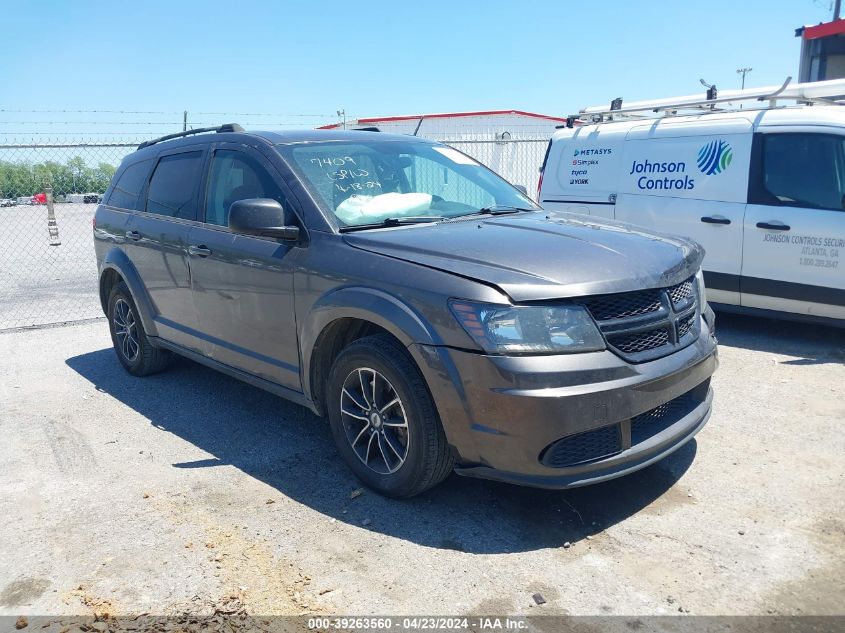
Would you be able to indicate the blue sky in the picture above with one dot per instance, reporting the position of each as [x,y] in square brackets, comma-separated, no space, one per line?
[380,58]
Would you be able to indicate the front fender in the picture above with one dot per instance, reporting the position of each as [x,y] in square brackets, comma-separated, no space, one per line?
[367,304]
[117,261]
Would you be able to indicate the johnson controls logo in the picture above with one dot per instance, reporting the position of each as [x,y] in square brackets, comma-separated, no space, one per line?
[714,157]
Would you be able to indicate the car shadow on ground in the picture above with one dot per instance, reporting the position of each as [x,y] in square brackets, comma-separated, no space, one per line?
[810,343]
[290,449]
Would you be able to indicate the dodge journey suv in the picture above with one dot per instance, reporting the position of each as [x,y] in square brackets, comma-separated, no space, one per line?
[431,311]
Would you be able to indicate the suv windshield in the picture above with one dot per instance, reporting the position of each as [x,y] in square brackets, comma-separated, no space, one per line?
[367,183]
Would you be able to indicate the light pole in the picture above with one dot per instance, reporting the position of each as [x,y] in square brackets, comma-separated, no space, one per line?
[743,72]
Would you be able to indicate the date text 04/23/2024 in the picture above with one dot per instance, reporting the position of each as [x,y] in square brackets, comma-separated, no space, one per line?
[417,623]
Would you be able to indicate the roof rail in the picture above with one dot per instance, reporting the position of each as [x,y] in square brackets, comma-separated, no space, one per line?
[227,127]
[828,92]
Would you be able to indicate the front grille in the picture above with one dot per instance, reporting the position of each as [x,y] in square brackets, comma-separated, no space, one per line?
[682,293]
[610,440]
[652,422]
[639,342]
[686,325]
[584,447]
[623,306]
[647,324]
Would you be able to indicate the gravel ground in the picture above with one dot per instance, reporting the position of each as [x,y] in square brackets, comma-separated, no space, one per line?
[182,490]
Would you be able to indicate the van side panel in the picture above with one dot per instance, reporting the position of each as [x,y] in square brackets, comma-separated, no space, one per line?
[582,171]
[688,180]
[689,161]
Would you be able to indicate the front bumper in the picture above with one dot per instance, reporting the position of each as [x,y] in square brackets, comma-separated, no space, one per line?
[503,415]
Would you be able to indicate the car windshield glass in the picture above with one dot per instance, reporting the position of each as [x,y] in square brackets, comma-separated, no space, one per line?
[366,183]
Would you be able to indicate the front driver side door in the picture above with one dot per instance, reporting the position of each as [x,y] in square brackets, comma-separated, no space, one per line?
[243,285]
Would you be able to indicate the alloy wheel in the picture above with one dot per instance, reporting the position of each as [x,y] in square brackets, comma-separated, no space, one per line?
[374,420]
[126,330]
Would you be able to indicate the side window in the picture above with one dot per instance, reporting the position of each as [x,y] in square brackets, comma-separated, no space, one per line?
[804,170]
[173,187]
[128,188]
[236,176]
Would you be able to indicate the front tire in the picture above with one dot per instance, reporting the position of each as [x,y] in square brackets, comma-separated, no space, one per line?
[383,419]
[131,344]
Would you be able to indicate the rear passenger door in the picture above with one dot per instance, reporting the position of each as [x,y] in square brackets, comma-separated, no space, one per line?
[243,285]
[157,242]
[794,241]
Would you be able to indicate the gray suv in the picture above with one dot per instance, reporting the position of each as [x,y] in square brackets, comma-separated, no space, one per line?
[431,311]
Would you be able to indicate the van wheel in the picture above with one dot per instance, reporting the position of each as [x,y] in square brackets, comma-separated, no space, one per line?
[383,419]
[131,345]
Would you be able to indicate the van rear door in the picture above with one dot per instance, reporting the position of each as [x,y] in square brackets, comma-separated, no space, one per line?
[794,243]
[581,171]
[691,179]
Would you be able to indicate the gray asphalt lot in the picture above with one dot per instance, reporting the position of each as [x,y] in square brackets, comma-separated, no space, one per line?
[174,492]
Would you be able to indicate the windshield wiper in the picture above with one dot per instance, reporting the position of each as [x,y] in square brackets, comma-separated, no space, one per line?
[501,209]
[388,222]
[497,209]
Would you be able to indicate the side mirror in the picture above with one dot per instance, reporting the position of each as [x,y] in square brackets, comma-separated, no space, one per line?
[261,216]
[522,189]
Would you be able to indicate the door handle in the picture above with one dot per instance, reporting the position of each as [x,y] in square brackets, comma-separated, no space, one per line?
[707,219]
[199,251]
[770,226]
[133,235]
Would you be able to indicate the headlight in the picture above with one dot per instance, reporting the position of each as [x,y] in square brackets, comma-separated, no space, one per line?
[702,295]
[528,329]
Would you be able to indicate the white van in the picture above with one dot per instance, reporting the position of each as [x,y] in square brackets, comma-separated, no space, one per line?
[763,190]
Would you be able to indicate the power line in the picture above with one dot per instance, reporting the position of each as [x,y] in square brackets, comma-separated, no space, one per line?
[88,123]
[270,114]
[280,114]
[88,111]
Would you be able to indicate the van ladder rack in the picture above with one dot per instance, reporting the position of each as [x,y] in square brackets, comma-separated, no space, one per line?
[825,92]
[227,127]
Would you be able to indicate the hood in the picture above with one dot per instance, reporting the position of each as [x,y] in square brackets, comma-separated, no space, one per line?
[532,257]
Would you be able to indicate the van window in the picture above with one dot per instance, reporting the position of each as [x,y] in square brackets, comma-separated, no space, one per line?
[236,176]
[128,188]
[804,170]
[173,187]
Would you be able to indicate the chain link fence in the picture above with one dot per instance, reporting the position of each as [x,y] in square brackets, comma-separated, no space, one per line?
[48,273]
[48,270]
[517,161]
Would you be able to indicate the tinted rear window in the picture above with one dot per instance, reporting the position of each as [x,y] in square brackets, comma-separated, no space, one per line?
[127,190]
[174,186]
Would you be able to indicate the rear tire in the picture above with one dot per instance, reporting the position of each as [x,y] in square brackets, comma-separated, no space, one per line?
[383,419]
[131,344]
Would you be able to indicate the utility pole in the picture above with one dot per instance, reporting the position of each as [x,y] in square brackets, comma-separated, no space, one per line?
[342,114]
[743,72]
[185,121]
[837,7]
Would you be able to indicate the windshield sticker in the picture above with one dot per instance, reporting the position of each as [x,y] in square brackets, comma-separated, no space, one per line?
[455,156]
